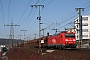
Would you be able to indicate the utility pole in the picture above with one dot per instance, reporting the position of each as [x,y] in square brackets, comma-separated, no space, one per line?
[24,35]
[35,36]
[80,24]
[8,42]
[39,18]
[43,32]
[11,32]
[43,29]
[20,38]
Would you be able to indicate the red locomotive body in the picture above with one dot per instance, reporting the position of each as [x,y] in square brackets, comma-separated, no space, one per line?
[61,40]
[53,41]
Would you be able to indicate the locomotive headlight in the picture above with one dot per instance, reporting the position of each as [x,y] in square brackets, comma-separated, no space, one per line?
[74,40]
[66,39]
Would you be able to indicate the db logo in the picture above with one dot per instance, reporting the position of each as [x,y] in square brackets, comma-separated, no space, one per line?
[53,40]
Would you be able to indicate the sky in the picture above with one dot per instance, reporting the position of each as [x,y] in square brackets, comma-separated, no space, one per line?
[56,14]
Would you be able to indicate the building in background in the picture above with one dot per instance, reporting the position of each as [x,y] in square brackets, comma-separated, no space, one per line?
[85,28]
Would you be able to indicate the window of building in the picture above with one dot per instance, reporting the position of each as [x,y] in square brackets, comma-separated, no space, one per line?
[77,36]
[77,20]
[85,35]
[85,18]
[77,31]
[77,26]
[85,30]
[85,24]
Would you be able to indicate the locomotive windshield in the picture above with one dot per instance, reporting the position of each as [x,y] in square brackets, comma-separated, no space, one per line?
[69,35]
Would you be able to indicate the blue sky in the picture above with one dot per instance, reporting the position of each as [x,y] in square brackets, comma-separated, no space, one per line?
[61,12]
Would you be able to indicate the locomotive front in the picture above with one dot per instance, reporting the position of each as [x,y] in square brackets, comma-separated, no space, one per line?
[70,40]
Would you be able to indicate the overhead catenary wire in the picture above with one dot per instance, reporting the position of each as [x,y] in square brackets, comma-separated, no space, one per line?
[33,22]
[9,10]
[9,5]
[83,6]
[30,15]
[46,4]
[64,26]
[70,17]
[44,7]
[26,19]
[31,19]
[65,21]
[24,11]
[74,14]
[37,2]
[2,13]
[23,15]
[0,1]
[86,3]
[3,16]
[87,8]
[42,1]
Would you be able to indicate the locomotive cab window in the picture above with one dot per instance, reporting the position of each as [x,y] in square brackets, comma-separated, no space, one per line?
[69,35]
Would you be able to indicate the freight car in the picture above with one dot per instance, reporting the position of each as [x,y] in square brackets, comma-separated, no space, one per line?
[61,40]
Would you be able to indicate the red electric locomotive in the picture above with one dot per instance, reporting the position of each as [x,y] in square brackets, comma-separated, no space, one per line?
[62,40]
